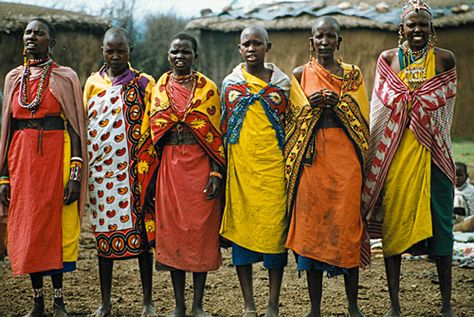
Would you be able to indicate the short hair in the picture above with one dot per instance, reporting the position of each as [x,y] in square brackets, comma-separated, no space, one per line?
[258,29]
[119,32]
[461,165]
[326,19]
[186,37]
[49,26]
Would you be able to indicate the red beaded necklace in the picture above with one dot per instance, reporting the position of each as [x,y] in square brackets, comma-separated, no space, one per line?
[182,79]
[34,105]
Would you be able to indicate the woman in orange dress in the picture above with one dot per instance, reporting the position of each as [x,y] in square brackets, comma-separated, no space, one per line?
[325,166]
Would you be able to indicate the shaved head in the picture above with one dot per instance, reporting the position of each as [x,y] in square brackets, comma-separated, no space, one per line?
[118,33]
[258,30]
[326,20]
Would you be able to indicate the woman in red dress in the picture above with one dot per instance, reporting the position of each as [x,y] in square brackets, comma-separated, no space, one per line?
[185,124]
[41,159]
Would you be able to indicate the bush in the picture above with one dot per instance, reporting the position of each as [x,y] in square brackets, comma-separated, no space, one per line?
[150,52]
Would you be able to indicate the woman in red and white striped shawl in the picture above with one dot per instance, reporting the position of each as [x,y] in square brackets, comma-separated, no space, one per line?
[408,192]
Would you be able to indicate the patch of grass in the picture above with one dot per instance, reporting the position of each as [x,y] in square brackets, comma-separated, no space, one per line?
[463,150]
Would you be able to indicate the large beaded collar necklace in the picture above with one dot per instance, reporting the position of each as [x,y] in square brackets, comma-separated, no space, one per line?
[34,105]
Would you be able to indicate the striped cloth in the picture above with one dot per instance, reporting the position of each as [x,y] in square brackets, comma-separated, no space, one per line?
[430,120]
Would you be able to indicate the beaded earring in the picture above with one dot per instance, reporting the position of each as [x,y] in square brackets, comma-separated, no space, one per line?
[400,36]
[311,48]
[25,57]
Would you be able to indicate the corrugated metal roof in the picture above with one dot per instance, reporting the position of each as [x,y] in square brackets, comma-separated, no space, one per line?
[379,15]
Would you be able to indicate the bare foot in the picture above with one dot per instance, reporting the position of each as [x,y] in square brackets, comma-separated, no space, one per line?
[250,313]
[199,312]
[38,308]
[178,312]
[448,313]
[59,310]
[149,311]
[355,312]
[271,312]
[105,310]
[392,313]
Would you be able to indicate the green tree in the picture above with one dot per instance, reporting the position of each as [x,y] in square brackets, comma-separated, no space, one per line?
[150,52]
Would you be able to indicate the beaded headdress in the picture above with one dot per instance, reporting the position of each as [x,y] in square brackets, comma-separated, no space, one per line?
[414,5]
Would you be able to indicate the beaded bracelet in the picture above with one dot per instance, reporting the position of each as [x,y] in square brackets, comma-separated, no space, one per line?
[4,180]
[77,159]
[216,174]
[74,164]
[75,171]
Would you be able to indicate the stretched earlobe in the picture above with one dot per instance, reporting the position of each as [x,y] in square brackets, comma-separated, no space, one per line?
[269,46]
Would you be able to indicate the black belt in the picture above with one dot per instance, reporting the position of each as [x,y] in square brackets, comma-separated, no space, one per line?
[179,134]
[47,123]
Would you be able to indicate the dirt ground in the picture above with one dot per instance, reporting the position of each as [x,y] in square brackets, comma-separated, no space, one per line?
[419,289]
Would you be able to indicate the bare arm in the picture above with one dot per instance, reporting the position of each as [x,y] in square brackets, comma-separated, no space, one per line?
[73,188]
[445,60]
[391,57]
[298,73]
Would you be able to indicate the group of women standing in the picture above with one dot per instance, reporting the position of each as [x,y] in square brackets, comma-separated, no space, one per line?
[301,165]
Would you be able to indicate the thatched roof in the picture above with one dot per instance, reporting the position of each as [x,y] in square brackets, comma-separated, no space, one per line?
[350,14]
[14,17]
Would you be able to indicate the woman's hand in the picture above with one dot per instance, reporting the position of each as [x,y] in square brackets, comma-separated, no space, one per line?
[212,187]
[5,195]
[71,192]
[324,98]
[317,100]
[331,98]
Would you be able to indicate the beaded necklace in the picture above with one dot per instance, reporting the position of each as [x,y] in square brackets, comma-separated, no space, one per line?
[180,80]
[34,105]
[416,74]
[416,55]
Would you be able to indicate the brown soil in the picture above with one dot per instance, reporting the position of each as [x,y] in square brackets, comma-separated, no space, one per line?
[419,294]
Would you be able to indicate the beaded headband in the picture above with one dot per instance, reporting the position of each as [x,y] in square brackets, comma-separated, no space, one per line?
[414,5]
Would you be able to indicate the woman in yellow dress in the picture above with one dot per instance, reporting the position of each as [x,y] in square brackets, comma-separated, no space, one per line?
[409,186]
[254,100]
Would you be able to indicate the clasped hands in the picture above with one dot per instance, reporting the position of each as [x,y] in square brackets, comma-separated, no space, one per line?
[324,98]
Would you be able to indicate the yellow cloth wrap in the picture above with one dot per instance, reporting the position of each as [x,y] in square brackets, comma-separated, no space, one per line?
[406,203]
[71,224]
[255,212]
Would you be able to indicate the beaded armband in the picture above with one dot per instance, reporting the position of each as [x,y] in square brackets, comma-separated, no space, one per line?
[75,169]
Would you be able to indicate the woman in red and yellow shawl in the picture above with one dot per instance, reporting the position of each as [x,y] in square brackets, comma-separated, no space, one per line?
[185,123]
[326,144]
[122,162]
[408,192]
[43,151]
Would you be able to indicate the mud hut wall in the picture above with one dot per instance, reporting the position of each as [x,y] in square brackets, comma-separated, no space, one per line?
[219,54]
[458,40]
[80,50]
